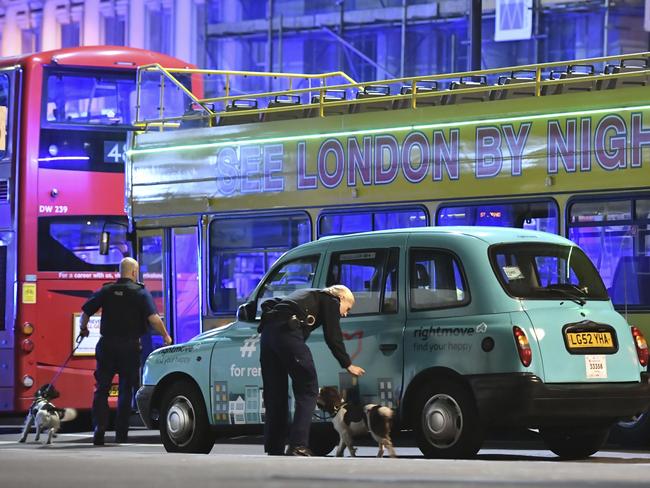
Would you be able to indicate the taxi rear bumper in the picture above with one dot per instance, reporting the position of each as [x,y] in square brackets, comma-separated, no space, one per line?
[524,399]
[143,398]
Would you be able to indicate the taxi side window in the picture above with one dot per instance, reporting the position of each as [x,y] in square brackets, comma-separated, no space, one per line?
[436,280]
[371,275]
[291,276]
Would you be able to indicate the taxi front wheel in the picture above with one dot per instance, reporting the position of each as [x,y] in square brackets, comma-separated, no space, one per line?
[447,423]
[184,425]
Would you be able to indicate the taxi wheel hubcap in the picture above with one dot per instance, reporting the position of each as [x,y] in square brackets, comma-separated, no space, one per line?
[180,421]
[442,421]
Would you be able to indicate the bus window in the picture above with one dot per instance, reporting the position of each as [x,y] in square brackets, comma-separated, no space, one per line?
[89,98]
[72,243]
[526,215]
[243,249]
[4,113]
[615,234]
[350,222]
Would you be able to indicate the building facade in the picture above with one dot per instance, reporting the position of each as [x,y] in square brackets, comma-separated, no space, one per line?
[369,39]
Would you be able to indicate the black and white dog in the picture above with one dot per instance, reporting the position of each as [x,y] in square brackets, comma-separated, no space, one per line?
[351,420]
[45,415]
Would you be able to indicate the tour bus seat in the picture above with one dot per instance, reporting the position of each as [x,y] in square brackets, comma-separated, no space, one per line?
[329,97]
[572,72]
[195,117]
[375,92]
[284,101]
[516,77]
[626,66]
[466,82]
[424,87]
[238,105]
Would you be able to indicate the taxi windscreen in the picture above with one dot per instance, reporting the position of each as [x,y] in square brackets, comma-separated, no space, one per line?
[547,272]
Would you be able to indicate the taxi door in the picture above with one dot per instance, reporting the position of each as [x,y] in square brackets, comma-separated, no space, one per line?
[372,332]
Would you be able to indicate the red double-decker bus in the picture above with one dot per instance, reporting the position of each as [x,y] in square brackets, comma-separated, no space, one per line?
[64,117]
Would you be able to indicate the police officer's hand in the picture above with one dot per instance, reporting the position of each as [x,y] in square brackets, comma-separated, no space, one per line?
[167,339]
[84,332]
[356,370]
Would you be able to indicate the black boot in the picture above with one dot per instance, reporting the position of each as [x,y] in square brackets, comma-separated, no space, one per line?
[98,438]
[299,451]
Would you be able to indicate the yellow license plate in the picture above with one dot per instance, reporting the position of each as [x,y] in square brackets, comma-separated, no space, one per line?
[113,391]
[591,340]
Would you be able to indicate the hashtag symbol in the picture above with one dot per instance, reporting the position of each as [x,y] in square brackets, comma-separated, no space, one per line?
[249,346]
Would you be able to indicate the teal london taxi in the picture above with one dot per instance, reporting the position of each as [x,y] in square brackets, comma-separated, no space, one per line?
[458,328]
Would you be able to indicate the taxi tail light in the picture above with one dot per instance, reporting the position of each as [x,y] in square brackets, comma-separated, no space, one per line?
[27,346]
[641,346]
[523,346]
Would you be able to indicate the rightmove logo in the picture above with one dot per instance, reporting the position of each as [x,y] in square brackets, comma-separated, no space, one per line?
[514,20]
[250,346]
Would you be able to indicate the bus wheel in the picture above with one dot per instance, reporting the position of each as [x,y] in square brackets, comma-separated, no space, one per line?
[184,425]
[322,438]
[448,424]
[575,442]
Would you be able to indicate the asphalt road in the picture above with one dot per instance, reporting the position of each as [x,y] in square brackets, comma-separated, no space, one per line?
[72,460]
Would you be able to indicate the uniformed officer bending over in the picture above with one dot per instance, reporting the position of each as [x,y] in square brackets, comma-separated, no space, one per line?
[285,326]
[127,307]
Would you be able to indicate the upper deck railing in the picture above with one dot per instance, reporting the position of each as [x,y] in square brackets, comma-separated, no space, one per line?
[293,96]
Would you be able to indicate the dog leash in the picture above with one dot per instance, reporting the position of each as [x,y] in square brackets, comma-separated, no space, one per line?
[58,373]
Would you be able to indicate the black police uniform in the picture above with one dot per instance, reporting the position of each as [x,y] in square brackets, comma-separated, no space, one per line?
[125,307]
[285,326]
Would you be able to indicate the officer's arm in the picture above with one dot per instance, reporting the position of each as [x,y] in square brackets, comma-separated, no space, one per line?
[156,322]
[83,325]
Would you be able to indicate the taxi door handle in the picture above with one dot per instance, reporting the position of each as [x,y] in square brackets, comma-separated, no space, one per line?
[387,348]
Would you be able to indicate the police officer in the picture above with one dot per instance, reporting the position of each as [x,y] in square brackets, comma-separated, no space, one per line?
[285,326]
[127,307]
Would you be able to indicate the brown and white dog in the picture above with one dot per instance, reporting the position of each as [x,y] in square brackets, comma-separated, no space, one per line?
[45,415]
[351,420]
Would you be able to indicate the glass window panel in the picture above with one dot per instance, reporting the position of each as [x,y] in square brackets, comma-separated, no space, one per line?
[185,284]
[4,114]
[542,216]
[436,280]
[292,276]
[603,211]
[72,243]
[101,99]
[547,272]
[344,224]
[391,282]
[621,253]
[348,223]
[362,272]
[242,250]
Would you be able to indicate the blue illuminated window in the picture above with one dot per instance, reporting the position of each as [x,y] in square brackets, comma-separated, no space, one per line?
[615,234]
[89,98]
[541,215]
[350,222]
[72,243]
[243,249]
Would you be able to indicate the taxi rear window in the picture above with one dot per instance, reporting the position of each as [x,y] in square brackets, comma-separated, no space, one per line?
[547,272]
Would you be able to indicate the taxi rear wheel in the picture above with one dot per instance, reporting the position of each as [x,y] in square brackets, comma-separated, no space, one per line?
[447,424]
[575,442]
[184,425]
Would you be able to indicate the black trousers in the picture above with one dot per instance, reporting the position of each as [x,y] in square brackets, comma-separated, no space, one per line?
[284,354]
[115,356]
